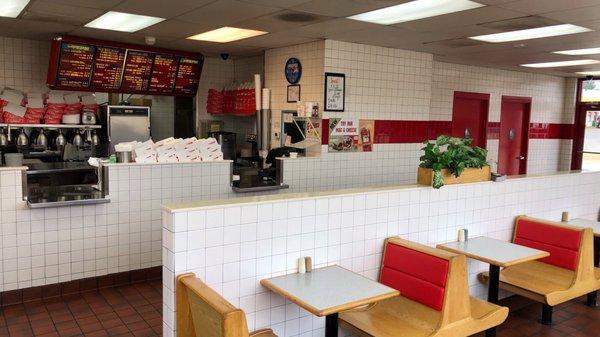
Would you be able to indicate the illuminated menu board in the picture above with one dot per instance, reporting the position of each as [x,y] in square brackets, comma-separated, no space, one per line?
[188,76]
[163,73]
[75,66]
[138,67]
[108,68]
[83,64]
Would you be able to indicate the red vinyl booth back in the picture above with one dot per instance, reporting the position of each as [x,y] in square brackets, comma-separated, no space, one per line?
[562,243]
[418,276]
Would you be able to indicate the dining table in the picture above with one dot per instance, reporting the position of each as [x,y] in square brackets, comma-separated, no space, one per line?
[498,254]
[328,291]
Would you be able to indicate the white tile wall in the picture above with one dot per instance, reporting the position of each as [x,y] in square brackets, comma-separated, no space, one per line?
[394,84]
[547,92]
[24,64]
[59,244]
[381,83]
[233,247]
[387,164]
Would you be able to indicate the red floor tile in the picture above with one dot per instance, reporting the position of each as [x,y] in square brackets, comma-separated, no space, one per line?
[124,311]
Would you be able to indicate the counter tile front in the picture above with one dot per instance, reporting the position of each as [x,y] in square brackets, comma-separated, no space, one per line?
[60,244]
[233,244]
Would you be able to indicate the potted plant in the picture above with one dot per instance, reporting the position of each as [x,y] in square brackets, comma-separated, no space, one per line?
[452,160]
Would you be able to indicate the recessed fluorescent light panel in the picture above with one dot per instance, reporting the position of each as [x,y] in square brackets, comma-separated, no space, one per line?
[589,73]
[226,34]
[532,33]
[415,10]
[560,64]
[123,22]
[587,51]
[12,8]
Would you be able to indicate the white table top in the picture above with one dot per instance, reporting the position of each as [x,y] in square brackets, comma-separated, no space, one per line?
[594,225]
[329,290]
[495,252]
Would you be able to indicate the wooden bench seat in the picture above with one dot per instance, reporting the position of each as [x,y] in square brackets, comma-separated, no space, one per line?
[564,275]
[202,312]
[434,297]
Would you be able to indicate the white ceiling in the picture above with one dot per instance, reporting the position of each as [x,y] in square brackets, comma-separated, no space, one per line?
[442,35]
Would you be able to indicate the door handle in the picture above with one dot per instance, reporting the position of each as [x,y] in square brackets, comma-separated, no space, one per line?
[521,157]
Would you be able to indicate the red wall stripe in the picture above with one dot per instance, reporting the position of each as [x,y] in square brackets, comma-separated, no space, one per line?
[405,132]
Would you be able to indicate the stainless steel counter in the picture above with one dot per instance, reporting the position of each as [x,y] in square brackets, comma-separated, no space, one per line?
[67,195]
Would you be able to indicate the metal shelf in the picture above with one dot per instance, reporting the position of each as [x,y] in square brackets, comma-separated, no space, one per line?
[51,126]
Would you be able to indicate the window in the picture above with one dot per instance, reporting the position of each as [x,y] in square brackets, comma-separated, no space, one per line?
[590,91]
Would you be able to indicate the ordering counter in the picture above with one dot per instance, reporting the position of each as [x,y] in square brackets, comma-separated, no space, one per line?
[232,244]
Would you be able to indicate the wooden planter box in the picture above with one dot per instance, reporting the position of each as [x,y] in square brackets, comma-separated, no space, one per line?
[469,175]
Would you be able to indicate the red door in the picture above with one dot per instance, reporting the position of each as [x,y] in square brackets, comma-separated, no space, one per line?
[514,135]
[470,116]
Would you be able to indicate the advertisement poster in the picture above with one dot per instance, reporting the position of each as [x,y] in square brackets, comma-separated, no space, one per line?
[367,134]
[351,135]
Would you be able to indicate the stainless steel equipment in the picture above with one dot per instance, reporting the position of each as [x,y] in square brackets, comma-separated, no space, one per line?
[60,140]
[3,138]
[42,140]
[22,139]
[95,138]
[88,118]
[77,139]
[124,157]
[227,140]
[124,124]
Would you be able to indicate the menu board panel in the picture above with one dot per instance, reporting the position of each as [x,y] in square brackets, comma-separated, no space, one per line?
[84,64]
[75,66]
[163,73]
[138,67]
[108,68]
[188,76]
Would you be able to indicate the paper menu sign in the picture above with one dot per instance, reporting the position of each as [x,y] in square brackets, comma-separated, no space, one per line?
[334,92]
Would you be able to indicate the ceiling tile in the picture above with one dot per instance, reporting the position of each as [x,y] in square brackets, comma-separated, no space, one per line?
[33,30]
[274,40]
[546,6]
[50,11]
[344,8]
[277,3]
[575,15]
[221,13]
[160,8]
[274,23]
[100,4]
[172,28]
[464,18]
[328,29]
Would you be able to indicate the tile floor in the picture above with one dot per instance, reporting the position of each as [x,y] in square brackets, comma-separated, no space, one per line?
[135,311]
[571,319]
[126,311]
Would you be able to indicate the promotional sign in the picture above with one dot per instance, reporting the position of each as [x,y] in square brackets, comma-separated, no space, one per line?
[351,135]
[367,128]
[343,135]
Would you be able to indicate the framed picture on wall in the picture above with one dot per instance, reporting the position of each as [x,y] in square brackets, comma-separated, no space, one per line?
[335,92]
[293,93]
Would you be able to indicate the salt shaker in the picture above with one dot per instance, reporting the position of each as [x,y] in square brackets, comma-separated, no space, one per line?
[301,265]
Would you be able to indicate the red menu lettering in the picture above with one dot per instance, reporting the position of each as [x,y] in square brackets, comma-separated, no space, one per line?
[75,66]
[163,73]
[136,76]
[108,68]
[188,76]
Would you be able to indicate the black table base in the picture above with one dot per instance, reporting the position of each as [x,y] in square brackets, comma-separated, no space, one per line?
[331,325]
[493,289]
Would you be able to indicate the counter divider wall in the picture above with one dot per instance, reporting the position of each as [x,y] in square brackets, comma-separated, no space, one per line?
[233,244]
